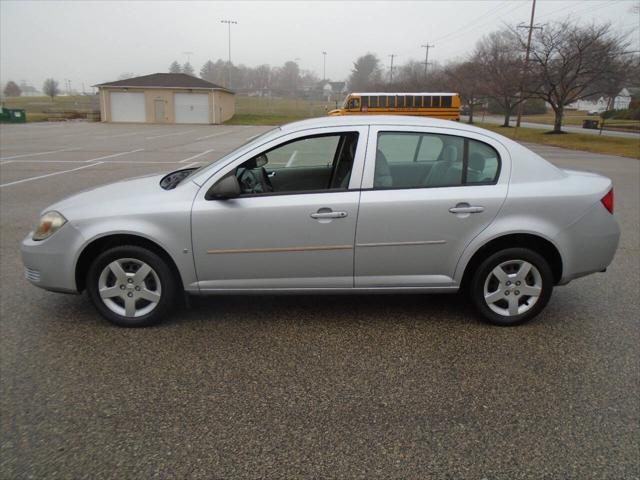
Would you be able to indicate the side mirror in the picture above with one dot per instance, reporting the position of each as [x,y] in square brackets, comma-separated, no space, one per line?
[225,188]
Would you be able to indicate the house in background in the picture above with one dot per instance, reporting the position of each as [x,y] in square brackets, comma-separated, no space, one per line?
[165,98]
[620,101]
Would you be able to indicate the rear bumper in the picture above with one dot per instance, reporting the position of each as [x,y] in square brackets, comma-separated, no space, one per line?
[588,245]
[50,263]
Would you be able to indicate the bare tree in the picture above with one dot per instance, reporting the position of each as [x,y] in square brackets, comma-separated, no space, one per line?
[175,67]
[499,62]
[570,62]
[50,88]
[12,89]
[463,79]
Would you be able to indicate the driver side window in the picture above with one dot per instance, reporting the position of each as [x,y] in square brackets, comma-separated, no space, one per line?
[315,163]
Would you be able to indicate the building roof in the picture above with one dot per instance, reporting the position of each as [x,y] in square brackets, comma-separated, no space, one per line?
[165,80]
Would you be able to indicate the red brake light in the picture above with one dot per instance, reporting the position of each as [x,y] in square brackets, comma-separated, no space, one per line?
[607,201]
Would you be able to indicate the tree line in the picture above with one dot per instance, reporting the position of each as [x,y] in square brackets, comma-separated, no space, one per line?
[567,62]
[284,80]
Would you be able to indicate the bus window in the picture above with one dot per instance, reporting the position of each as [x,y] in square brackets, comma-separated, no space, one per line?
[382,101]
[409,101]
[373,102]
[417,102]
[400,101]
[435,102]
[446,102]
[365,102]
[354,104]
[391,101]
[426,102]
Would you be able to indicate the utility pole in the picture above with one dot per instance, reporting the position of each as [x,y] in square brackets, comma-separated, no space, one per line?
[531,28]
[324,65]
[393,55]
[229,23]
[426,57]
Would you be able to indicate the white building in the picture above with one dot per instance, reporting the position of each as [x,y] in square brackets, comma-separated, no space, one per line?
[620,102]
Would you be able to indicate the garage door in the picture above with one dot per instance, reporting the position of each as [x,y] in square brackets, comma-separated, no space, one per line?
[127,107]
[191,107]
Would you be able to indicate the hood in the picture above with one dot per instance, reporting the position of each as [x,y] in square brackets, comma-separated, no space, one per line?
[113,192]
[138,195]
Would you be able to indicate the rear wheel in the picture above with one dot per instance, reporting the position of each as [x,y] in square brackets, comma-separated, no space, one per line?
[131,286]
[511,286]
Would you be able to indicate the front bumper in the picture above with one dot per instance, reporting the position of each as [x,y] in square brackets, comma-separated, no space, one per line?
[50,263]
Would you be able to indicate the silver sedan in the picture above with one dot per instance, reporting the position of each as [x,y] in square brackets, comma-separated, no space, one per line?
[370,204]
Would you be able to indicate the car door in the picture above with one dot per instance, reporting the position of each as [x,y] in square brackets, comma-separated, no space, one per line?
[426,193]
[289,238]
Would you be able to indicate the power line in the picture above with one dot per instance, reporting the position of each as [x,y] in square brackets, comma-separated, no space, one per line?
[531,28]
[426,57]
[393,55]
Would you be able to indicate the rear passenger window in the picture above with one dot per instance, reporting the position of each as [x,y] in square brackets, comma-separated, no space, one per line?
[423,160]
[398,147]
[483,164]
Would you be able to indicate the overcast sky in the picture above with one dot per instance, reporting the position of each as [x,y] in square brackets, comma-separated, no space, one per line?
[92,42]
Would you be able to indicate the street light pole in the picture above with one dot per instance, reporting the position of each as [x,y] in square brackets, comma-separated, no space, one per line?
[229,23]
[324,65]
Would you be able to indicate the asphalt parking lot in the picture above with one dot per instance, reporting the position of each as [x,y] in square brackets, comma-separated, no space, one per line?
[306,386]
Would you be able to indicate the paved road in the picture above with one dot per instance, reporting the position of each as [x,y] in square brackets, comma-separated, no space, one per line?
[497,120]
[305,387]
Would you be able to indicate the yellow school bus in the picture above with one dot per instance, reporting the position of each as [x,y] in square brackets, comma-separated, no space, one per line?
[428,104]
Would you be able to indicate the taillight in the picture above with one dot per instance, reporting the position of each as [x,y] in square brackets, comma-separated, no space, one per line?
[607,201]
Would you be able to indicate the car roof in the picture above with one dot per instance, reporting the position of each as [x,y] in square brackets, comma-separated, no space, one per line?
[377,120]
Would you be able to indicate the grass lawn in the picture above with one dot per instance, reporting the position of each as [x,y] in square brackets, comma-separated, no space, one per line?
[626,147]
[38,108]
[276,111]
[575,117]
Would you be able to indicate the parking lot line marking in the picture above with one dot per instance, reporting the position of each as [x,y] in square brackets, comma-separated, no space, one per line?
[193,164]
[8,161]
[114,155]
[38,153]
[169,134]
[127,162]
[121,134]
[49,175]
[214,135]
[196,156]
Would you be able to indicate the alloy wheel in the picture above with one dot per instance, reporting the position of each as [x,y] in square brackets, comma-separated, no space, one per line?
[129,287]
[512,288]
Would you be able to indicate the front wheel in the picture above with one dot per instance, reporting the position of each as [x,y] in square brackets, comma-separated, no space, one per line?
[511,286]
[131,286]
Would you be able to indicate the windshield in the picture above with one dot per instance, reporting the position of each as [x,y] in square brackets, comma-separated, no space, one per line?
[251,141]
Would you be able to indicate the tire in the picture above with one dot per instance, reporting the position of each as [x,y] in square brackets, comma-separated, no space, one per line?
[511,286]
[131,286]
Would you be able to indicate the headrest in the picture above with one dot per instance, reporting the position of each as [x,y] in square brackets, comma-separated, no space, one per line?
[476,162]
[450,153]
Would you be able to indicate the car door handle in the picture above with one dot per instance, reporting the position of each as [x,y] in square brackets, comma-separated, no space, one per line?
[320,215]
[466,209]
[271,174]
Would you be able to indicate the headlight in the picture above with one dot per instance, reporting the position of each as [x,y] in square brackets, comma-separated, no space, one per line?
[49,224]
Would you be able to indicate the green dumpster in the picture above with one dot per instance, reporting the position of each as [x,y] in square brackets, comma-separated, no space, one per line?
[12,115]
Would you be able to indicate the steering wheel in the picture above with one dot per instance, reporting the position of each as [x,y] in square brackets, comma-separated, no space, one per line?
[255,180]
